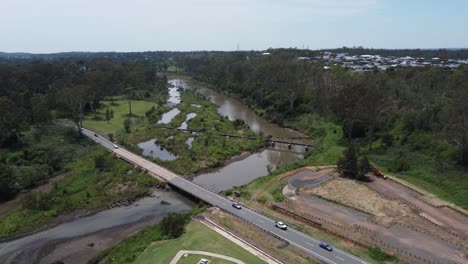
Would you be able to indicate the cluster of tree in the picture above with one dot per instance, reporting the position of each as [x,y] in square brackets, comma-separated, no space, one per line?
[31,91]
[173,225]
[43,153]
[367,104]
[353,164]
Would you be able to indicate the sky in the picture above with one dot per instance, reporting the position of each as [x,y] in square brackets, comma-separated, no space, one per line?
[46,26]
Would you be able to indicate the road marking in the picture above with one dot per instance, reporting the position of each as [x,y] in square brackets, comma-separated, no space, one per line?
[310,244]
[339,258]
[209,196]
[261,221]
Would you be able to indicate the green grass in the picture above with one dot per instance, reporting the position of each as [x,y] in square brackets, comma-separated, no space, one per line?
[327,140]
[196,237]
[444,180]
[121,112]
[85,187]
[172,68]
[191,259]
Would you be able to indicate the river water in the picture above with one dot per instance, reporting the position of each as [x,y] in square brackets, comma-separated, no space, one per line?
[235,174]
[144,208]
[244,171]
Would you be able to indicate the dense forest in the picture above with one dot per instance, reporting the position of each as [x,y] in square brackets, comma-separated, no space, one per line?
[366,104]
[34,93]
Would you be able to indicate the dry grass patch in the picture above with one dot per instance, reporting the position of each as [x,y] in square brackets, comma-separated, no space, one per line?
[359,196]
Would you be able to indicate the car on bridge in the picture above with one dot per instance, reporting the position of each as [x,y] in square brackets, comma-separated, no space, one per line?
[236,205]
[325,246]
[281,225]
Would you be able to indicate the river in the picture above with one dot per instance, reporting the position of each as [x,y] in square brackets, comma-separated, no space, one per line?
[70,241]
[244,171]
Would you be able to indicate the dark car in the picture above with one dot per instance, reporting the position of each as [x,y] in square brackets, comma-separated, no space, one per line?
[326,246]
[236,205]
[96,135]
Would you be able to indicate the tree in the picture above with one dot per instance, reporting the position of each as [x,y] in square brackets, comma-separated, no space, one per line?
[11,121]
[127,123]
[102,162]
[173,225]
[347,165]
[456,117]
[363,167]
[8,185]
[40,109]
[72,101]
[108,116]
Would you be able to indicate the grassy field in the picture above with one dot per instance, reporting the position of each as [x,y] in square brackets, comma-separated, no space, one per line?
[85,187]
[447,183]
[196,237]
[121,112]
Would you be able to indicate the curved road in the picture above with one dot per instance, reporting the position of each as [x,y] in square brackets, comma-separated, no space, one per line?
[305,242]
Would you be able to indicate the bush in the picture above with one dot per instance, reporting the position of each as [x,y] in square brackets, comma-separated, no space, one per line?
[347,165]
[8,186]
[377,254]
[127,123]
[278,195]
[103,162]
[399,164]
[173,225]
[262,199]
[387,140]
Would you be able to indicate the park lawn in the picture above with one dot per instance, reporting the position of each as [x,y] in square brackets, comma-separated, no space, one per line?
[191,259]
[86,187]
[121,112]
[196,237]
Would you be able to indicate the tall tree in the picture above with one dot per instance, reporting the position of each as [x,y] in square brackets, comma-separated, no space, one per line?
[72,101]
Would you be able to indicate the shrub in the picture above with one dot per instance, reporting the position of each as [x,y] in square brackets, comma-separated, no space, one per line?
[399,164]
[103,162]
[377,254]
[173,225]
[262,199]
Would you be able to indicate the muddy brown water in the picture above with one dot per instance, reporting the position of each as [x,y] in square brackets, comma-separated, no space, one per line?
[256,165]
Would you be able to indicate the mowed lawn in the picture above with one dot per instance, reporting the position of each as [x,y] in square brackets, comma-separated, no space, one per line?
[120,108]
[196,237]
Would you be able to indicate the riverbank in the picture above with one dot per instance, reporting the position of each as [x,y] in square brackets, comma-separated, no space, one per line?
[133,217]
[96,181]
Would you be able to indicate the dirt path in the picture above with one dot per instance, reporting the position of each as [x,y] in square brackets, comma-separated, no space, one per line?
[443,217]
[387,204]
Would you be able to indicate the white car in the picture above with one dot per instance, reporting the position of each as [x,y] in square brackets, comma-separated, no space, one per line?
[281,225]
[115,146]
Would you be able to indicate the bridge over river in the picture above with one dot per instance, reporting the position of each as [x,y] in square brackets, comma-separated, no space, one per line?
[296,238]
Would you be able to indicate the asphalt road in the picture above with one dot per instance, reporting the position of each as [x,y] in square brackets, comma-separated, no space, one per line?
[296,238]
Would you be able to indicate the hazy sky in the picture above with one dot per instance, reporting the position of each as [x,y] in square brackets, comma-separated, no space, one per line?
[140,25]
